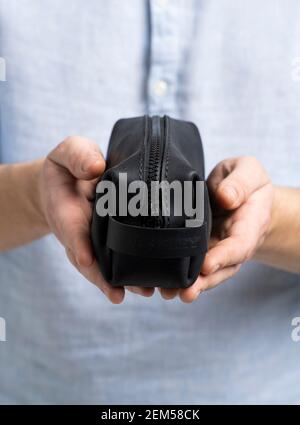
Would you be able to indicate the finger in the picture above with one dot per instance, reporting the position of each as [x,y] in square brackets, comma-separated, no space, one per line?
[71,225]
[145,292]
[204,283]
[88,188]
[80,156]
[243,234]
[234,180]
[71,257]
[92,273]
[78,239]
[168,293]
[228,252]
[244,231]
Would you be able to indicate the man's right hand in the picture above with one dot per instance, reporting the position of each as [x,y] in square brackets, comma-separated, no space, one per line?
[67,185]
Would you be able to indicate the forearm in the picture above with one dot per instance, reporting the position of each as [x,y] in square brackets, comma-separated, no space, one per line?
[21,217]
[281,247]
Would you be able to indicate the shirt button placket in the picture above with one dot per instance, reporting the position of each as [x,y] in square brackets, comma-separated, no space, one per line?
[164,57]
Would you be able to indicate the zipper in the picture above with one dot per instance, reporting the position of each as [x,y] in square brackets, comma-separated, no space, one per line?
[155,155]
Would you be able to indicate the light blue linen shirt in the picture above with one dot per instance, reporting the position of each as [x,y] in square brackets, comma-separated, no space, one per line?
[75,67]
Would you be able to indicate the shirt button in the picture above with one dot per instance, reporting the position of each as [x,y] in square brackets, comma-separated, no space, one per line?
[160,87]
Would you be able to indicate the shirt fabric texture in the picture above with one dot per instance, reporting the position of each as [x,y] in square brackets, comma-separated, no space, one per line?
[75,67]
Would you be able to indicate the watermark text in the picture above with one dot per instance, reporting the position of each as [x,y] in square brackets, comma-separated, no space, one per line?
[2,330]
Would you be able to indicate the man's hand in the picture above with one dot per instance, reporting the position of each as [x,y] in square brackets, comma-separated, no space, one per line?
[242,197]
[67,186]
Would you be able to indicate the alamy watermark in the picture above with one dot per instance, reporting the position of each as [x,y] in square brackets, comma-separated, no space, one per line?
[2,69]
[295,334]
[2,330]
[140,199]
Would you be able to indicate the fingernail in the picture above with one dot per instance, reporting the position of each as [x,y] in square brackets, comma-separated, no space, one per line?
[136,291]
[89,162]
[98,163]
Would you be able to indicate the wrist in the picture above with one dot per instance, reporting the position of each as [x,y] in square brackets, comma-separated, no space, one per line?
[274,213]
[272,229]
[281,247]
[22,218]
[36,198]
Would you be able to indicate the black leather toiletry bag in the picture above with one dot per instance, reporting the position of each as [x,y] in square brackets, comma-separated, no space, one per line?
[145,230]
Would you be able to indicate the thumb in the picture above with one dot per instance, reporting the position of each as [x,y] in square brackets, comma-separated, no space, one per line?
[244,176]
[80,156]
